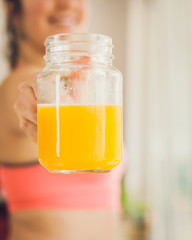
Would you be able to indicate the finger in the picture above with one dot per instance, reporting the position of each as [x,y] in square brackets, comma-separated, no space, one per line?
[29,128]
[27,110]
[32,83]
[28,98]
[28,104]
[84,60]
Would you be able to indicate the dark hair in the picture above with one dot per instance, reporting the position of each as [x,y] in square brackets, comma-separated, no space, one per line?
[13,48]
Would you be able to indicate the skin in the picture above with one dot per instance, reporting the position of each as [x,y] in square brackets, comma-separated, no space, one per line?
[18,123]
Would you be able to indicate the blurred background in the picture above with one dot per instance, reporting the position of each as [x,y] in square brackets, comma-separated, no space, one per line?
[153,50]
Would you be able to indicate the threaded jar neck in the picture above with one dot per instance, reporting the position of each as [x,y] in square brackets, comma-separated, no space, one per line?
[78,48]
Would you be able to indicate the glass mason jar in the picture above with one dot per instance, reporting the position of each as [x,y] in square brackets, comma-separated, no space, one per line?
[79,97]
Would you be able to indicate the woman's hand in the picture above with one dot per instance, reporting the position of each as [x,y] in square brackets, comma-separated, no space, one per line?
[26,108]
[26,103]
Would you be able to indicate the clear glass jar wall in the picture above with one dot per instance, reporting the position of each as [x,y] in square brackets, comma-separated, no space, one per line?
[79,96]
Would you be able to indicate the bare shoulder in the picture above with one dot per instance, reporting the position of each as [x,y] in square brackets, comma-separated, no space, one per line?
[18,76]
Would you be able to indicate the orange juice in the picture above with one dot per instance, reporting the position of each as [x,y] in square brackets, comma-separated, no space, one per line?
[80,138]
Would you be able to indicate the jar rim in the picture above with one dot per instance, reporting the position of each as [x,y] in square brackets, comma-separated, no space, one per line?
[78,37]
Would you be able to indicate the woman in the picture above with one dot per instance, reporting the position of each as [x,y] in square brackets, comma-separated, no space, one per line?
[43,205]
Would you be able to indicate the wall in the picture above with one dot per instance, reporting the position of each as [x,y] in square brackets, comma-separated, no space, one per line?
[3,62]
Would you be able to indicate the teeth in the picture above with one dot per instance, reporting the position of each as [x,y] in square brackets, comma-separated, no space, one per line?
[64,21]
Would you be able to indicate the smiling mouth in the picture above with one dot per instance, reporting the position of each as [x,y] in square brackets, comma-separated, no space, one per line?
[63,21]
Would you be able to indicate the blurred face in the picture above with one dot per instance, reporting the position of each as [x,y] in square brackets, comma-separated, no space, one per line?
[42,18]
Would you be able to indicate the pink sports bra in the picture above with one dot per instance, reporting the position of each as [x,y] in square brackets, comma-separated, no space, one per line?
[33,187]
